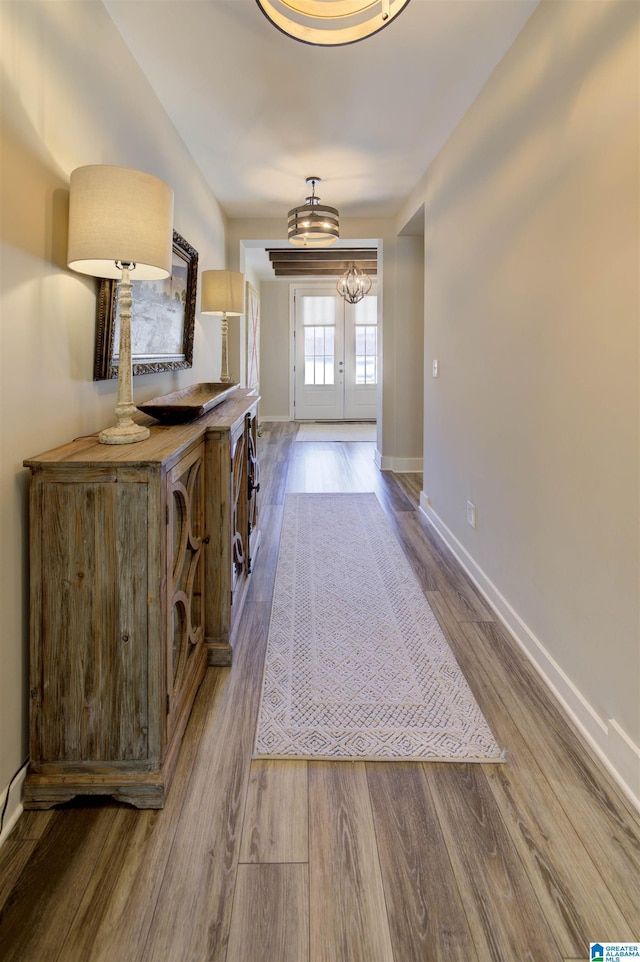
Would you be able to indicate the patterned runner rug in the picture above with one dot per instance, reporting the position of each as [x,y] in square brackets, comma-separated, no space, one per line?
[357,666]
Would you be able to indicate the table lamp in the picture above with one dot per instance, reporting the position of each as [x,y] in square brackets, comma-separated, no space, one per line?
[223,293]
[120,224]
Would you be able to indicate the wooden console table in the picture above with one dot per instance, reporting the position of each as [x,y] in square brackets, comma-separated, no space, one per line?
[140,560]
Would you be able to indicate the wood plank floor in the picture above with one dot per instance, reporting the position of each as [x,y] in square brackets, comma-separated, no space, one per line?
[270,861]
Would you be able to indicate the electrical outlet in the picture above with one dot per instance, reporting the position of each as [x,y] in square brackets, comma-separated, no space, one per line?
[471,514]
[435,368]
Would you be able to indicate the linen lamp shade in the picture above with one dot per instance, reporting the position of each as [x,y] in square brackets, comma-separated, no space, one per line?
[222,292]
[120,222]
[116,216]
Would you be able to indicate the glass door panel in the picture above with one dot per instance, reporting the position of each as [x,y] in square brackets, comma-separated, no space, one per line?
[361,359]
[318,383]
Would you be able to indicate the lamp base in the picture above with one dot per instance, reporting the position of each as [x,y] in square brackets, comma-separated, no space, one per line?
[124,433]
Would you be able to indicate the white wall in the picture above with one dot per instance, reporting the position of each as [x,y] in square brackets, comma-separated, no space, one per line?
[408,381]
[71,95]
[275,373]
[532,309]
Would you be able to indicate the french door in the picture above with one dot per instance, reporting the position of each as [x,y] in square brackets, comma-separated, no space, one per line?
[335,356]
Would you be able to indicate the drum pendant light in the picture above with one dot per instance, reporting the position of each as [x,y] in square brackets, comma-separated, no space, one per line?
[313,224]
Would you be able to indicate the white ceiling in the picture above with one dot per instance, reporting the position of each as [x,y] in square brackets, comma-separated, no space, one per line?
[260,112]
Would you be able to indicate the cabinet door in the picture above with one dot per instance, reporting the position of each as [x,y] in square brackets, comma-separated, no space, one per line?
[185,594]
[239,520]
[90,621]
[253,486]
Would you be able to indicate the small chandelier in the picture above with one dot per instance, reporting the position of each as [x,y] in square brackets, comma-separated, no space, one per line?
[330,22]
[353,285]
[313,224]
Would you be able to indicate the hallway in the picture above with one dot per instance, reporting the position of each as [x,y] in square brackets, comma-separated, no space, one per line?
[273,861]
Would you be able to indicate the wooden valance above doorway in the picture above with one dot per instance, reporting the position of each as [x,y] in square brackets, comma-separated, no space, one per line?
[327,262]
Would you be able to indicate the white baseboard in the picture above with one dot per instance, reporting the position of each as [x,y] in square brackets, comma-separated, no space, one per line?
[399,465]
[273,417]
[617,751]
[14,805]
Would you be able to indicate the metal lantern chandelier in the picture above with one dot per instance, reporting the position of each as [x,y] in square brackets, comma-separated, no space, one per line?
[313,224]
[330,22]
[353,285]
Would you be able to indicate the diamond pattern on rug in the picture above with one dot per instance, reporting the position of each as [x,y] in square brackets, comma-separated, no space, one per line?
[357,665]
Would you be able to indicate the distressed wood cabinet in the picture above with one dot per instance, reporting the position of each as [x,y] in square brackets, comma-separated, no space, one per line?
[140,559]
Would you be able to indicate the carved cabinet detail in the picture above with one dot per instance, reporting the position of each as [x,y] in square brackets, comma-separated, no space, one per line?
[232,467]
[238,503]
[253,486]
[185,605]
